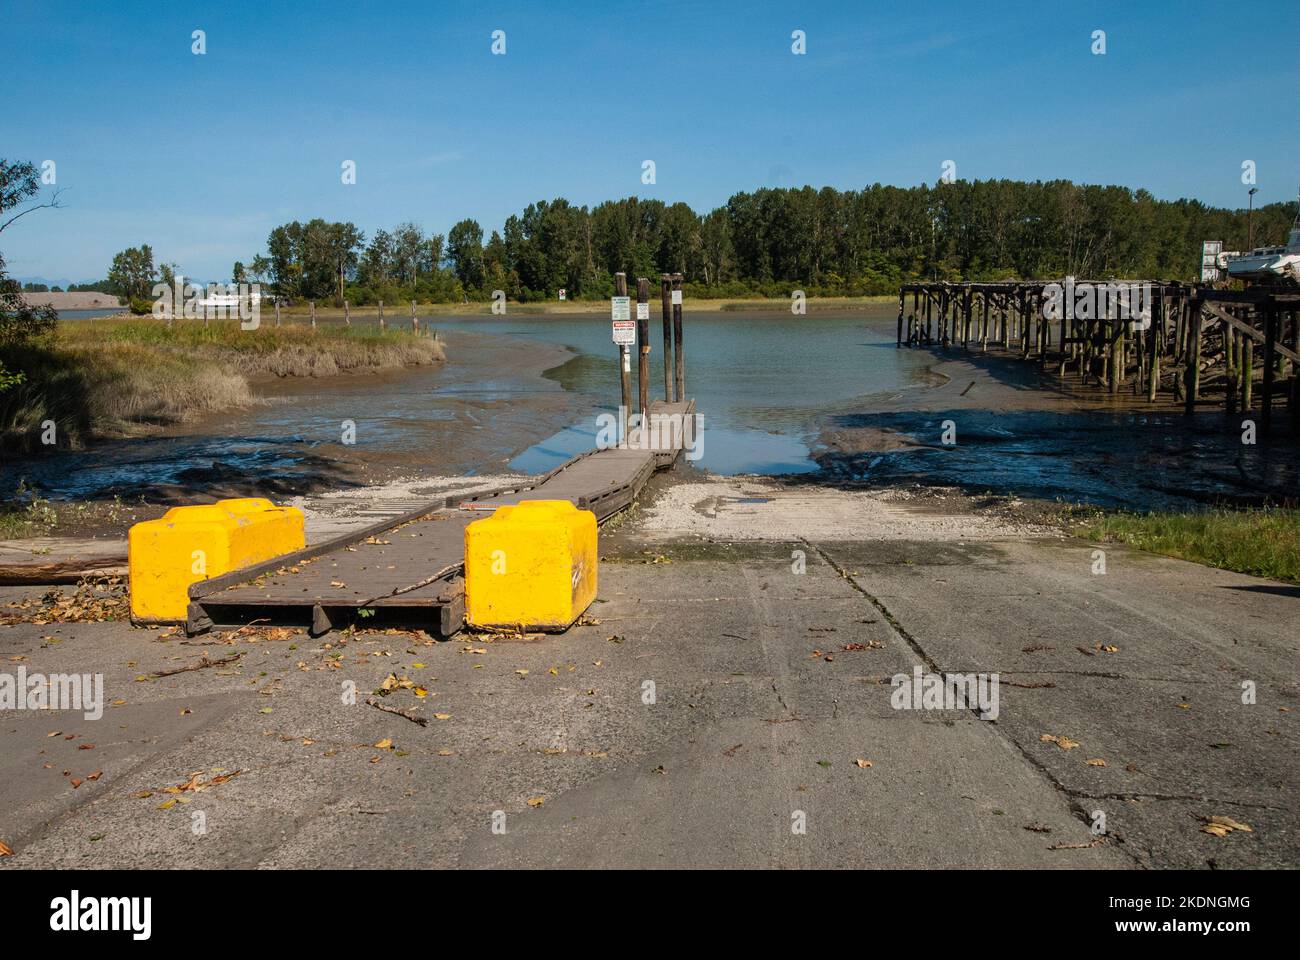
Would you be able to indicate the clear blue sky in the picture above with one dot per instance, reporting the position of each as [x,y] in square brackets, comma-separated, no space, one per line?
[201,156]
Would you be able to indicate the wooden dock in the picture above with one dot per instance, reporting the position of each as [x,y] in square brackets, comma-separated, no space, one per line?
[410,567]
[1194,341]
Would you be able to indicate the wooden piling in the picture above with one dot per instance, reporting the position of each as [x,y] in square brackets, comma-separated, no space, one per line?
[415,321]
[1192,370]
[1247,374]
[680,361]
[1270,368]
[347,314]
[381,316]
[665,301]
[277,311]
[313,313]
[643,346]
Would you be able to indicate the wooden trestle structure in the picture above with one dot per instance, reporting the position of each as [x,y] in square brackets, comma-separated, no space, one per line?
[1193,343]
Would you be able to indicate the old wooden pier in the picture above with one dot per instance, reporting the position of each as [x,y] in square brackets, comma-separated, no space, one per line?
[1190,342]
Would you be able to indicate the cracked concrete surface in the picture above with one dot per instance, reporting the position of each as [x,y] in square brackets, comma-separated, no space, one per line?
[715,701]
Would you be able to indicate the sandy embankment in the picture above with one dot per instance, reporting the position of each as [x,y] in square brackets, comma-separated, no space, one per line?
[80,300]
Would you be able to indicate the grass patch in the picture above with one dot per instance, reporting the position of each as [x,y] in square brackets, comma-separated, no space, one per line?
[1263,543]
[114,376]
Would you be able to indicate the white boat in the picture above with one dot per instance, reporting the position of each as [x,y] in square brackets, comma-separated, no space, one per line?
[1270,263]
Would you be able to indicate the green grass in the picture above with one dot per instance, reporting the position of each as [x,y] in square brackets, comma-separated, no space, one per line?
[1263,543]
[115,376]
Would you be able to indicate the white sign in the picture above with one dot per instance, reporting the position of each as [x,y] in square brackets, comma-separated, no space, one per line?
[1210,251]
[625,332]
[643,311]
[620,308]
[563,293]
[677,297]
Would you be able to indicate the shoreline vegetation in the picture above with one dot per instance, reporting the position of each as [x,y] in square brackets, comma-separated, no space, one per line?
[120,376]
[398,314]
[1259,542]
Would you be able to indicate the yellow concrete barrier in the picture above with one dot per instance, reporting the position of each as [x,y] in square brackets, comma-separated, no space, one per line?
[189,544]
[530,566]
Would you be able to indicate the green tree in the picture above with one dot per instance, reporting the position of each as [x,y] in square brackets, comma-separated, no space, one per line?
[465,251]
[19,322]
[132,273]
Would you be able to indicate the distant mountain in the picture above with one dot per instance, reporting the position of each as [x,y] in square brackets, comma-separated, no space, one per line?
[63,283]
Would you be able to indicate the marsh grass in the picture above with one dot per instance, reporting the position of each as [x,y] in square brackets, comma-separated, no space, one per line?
[115,376]
[1263,542]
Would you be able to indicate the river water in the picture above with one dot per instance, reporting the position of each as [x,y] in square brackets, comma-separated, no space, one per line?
[761,381]
[523,393]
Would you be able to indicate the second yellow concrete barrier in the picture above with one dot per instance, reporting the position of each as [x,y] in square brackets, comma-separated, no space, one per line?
[531,566]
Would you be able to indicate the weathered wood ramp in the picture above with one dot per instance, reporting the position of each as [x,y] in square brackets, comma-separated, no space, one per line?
[410,567]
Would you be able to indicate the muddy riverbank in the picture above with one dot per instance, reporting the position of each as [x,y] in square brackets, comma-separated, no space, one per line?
[471,414]
[992,423]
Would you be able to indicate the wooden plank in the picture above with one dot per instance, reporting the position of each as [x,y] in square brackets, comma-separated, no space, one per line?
[1248,330]
[368,568]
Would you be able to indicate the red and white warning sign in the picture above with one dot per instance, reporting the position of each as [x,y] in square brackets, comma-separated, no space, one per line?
[625,333]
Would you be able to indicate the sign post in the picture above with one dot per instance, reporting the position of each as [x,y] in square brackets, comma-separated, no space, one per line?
[624,333]
[643,338]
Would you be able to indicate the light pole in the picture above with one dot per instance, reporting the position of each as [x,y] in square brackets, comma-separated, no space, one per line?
[1250,212]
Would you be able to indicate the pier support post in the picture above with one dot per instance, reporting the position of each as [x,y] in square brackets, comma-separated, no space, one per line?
[665,302]
[381,316]
[1247,374]
[679,359]
[643,347]
[1153,345]
[1270,367]
[347,314]
[1192,372]
[415,321]
[313,313]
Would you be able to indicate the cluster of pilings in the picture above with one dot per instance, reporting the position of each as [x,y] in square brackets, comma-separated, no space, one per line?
[1187,341]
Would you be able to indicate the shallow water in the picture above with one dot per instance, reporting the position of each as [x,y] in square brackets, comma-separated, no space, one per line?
[761,380]
[766,384]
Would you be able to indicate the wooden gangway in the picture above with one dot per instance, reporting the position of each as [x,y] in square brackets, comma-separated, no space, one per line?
[410,567]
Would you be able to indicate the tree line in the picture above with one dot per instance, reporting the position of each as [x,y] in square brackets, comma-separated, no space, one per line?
[767,242]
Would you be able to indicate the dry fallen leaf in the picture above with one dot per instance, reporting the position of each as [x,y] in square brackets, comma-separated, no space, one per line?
[1222,826]
[442,716]
[1097,762]
[1065,743]
[536,801]
[862,764]
[384,744]
[5,849]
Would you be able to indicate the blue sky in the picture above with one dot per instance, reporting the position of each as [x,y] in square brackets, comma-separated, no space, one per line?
[201,156]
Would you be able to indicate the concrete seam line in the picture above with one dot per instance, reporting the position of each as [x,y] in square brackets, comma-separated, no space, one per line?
[912,642]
